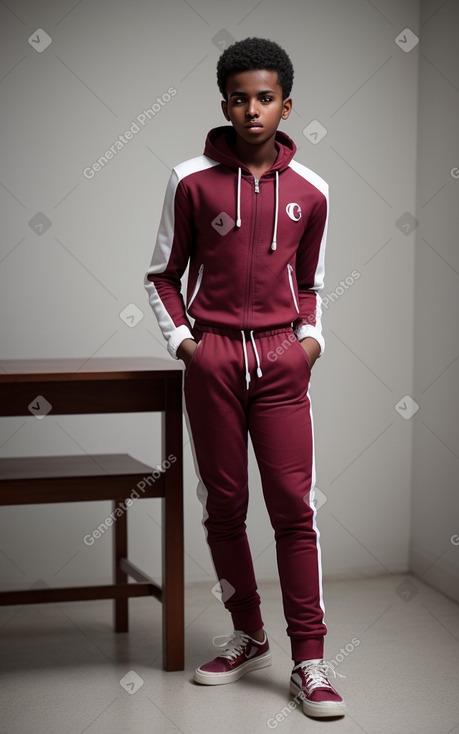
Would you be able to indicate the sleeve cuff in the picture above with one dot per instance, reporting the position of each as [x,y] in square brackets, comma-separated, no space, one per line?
[176,338]
[308,330]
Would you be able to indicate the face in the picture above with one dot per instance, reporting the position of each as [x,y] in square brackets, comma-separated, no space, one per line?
[255,106]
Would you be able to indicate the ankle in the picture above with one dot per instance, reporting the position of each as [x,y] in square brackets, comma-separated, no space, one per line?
[258,635]
[308,660]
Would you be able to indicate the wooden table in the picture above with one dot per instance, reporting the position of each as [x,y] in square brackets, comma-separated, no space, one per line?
[108,385]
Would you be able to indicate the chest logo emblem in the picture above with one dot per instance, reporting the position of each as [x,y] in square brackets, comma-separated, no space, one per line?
[294,211]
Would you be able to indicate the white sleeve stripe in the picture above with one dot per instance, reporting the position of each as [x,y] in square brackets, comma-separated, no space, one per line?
[163,249]
[165,236]
[320,269]
[310,176]
[194,165]
[322,186]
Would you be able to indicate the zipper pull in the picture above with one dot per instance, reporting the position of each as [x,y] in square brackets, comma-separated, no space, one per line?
[256,182]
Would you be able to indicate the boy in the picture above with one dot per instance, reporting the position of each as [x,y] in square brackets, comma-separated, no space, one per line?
[251,224]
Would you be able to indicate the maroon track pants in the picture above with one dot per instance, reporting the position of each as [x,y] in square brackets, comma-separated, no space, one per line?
[257,383]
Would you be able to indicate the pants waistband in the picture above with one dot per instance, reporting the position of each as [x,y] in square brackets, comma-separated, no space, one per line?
[246,336]
[236,333]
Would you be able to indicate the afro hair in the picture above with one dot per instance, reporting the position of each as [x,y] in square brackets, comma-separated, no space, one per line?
[252,54]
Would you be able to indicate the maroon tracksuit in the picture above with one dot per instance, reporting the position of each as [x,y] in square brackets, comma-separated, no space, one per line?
[255,250]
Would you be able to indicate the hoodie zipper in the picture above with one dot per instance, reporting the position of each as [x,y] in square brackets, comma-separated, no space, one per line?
[292,287]
[197,286]
[251,275]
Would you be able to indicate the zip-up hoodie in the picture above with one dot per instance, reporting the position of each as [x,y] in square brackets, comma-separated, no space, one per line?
[255,247]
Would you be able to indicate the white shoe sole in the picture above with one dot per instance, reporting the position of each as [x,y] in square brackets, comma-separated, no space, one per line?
[218,679]
[327,709]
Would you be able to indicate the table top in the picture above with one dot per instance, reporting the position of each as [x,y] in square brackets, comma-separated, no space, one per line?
[22,370]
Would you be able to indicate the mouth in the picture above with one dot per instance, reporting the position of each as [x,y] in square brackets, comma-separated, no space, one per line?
[253,126]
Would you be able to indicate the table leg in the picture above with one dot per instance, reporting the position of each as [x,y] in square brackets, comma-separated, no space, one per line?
[120,550]
[172,535]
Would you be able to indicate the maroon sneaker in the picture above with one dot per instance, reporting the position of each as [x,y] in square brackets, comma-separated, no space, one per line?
[310,683]
[241,655]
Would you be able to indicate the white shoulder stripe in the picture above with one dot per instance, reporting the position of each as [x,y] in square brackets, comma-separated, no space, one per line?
[194,165]
[310,176]
[163,249]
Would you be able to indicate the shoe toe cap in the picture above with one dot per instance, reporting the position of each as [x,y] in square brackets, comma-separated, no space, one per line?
[218,665]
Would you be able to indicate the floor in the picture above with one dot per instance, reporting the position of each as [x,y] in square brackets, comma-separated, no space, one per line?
[393,643]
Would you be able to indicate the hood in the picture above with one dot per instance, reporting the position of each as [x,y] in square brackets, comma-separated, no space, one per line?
[218,147]
[220,139]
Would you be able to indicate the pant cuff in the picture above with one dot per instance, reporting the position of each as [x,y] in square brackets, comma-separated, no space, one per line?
[307,649]
[248,621]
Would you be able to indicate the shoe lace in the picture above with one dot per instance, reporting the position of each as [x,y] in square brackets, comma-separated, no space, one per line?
[316,673]
[233,644]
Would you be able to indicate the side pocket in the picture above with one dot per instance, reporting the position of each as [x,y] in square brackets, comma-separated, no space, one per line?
[197,286]
[292,286]
[305,356]
[195,356]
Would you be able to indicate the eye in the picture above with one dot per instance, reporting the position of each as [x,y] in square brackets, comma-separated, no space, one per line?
[267,99]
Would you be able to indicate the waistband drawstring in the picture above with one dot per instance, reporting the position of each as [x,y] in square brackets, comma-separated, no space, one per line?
[246,359]
[252,339]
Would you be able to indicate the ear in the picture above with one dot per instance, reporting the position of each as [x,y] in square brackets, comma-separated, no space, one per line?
[225,109]
[287,105]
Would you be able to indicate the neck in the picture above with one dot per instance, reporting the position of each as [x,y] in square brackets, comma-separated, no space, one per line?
[257,158]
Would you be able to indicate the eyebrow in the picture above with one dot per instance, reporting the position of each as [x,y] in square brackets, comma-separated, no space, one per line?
[244,94]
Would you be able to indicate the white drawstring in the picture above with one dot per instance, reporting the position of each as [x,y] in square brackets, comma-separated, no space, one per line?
[276,213]
[252,339]
[238,215]
[246,360]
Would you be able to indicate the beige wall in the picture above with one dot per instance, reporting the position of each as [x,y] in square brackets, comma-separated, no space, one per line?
[63,290]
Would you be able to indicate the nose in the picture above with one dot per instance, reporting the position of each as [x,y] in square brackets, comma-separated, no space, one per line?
[252,108]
